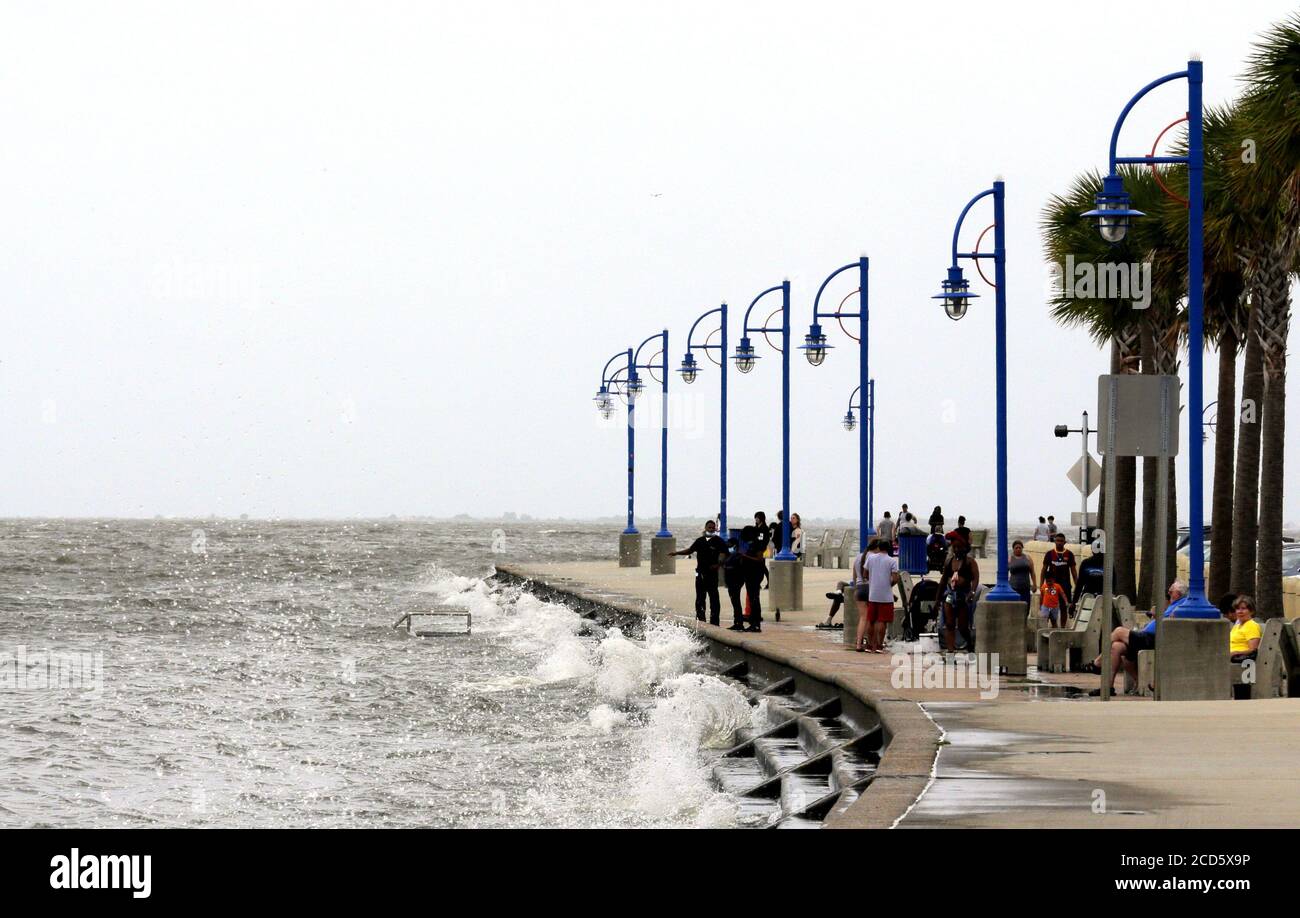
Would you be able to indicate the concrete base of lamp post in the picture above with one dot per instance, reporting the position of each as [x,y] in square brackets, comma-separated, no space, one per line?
[661,558]
[785,592]
[1191,660]
[1000,629]
[629,549]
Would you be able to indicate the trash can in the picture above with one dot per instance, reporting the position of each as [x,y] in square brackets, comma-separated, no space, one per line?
[911,554]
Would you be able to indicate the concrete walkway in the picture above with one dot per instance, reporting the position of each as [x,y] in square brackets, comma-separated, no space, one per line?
[1024,758]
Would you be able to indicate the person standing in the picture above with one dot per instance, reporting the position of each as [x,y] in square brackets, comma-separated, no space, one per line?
[708,550]
[936,519]
[762,535]
[960,576]
[1051,527]
[885,528]
[1041,532]
[733,575]
[755,573]
[1060,560]
[1051,605]
[796,536]
[1020,572]
[880,571]
[962,530]
[903,514]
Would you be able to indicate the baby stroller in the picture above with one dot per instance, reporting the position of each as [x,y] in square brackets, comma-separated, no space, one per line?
[921,616]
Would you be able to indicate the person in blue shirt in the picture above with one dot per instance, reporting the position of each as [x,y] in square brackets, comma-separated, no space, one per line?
[1125,643]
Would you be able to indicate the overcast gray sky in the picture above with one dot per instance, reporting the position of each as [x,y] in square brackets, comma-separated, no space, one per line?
[357,259]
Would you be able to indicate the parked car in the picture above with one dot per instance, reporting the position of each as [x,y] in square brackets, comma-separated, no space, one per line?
[1290,557]
[1185,537]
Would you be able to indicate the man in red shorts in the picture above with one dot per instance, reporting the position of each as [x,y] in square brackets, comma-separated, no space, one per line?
[876,607]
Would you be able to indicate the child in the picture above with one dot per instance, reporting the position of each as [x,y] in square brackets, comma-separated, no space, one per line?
[1052,599]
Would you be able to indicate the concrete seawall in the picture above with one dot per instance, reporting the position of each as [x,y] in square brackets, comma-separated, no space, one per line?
[1036,753]
[911,737]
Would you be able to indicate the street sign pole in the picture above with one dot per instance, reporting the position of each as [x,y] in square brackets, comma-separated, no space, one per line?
[1086,489]
[1108,524]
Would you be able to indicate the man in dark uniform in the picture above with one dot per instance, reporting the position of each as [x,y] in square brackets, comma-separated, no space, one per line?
[708,550]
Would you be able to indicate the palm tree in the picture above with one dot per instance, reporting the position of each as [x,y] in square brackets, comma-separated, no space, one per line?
[1068,236]
[1159,241]
[1227,237]
[1268,188]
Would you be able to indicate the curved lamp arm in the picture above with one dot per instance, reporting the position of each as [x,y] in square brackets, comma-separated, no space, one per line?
[605,378]
[636,360]
[691,333]
[817,314]
[1114,137]
[956,233]
[745,327]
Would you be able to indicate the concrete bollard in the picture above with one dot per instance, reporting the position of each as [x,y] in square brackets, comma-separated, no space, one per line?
[1000,629]
[1193,660]
[1146,667]
[629,549]
[661,558]
[786,585]
[850,613]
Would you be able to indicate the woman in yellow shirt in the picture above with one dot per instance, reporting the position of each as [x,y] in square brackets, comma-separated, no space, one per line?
[1243,641]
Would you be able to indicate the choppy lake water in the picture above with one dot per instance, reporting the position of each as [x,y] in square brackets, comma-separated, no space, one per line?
[246,673]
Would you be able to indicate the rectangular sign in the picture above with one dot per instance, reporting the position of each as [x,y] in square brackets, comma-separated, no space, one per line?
[1146,414]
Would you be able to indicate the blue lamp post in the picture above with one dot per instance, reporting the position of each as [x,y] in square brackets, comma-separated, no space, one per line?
[850,422]
[745,357]
[662,367]
[605,405]
[956,298]
[815,349]
[1113,215]
[689,370]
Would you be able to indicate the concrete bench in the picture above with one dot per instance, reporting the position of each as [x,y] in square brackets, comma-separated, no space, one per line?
[893,632]
[1277,664]
[1034,623]
[1056,646]
[813,553]
[979,540]
[846,550]
[830,550]
[849,550]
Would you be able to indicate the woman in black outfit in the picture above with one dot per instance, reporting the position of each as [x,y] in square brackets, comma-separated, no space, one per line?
[763,537]
[936,520]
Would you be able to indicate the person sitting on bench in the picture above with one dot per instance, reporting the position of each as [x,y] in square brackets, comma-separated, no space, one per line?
[1126,643]
[1246,634]
[837,600]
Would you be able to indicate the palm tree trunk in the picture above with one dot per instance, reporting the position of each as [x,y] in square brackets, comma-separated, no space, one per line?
[1148,533]
[1147,573]
[1224,440]
[1123,540]
[1274,324]
[1245,497]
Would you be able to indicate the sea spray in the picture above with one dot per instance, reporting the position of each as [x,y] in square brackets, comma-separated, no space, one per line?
[604,719]
[671,781]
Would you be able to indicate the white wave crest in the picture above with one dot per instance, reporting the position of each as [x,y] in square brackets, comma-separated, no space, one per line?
[695,711]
